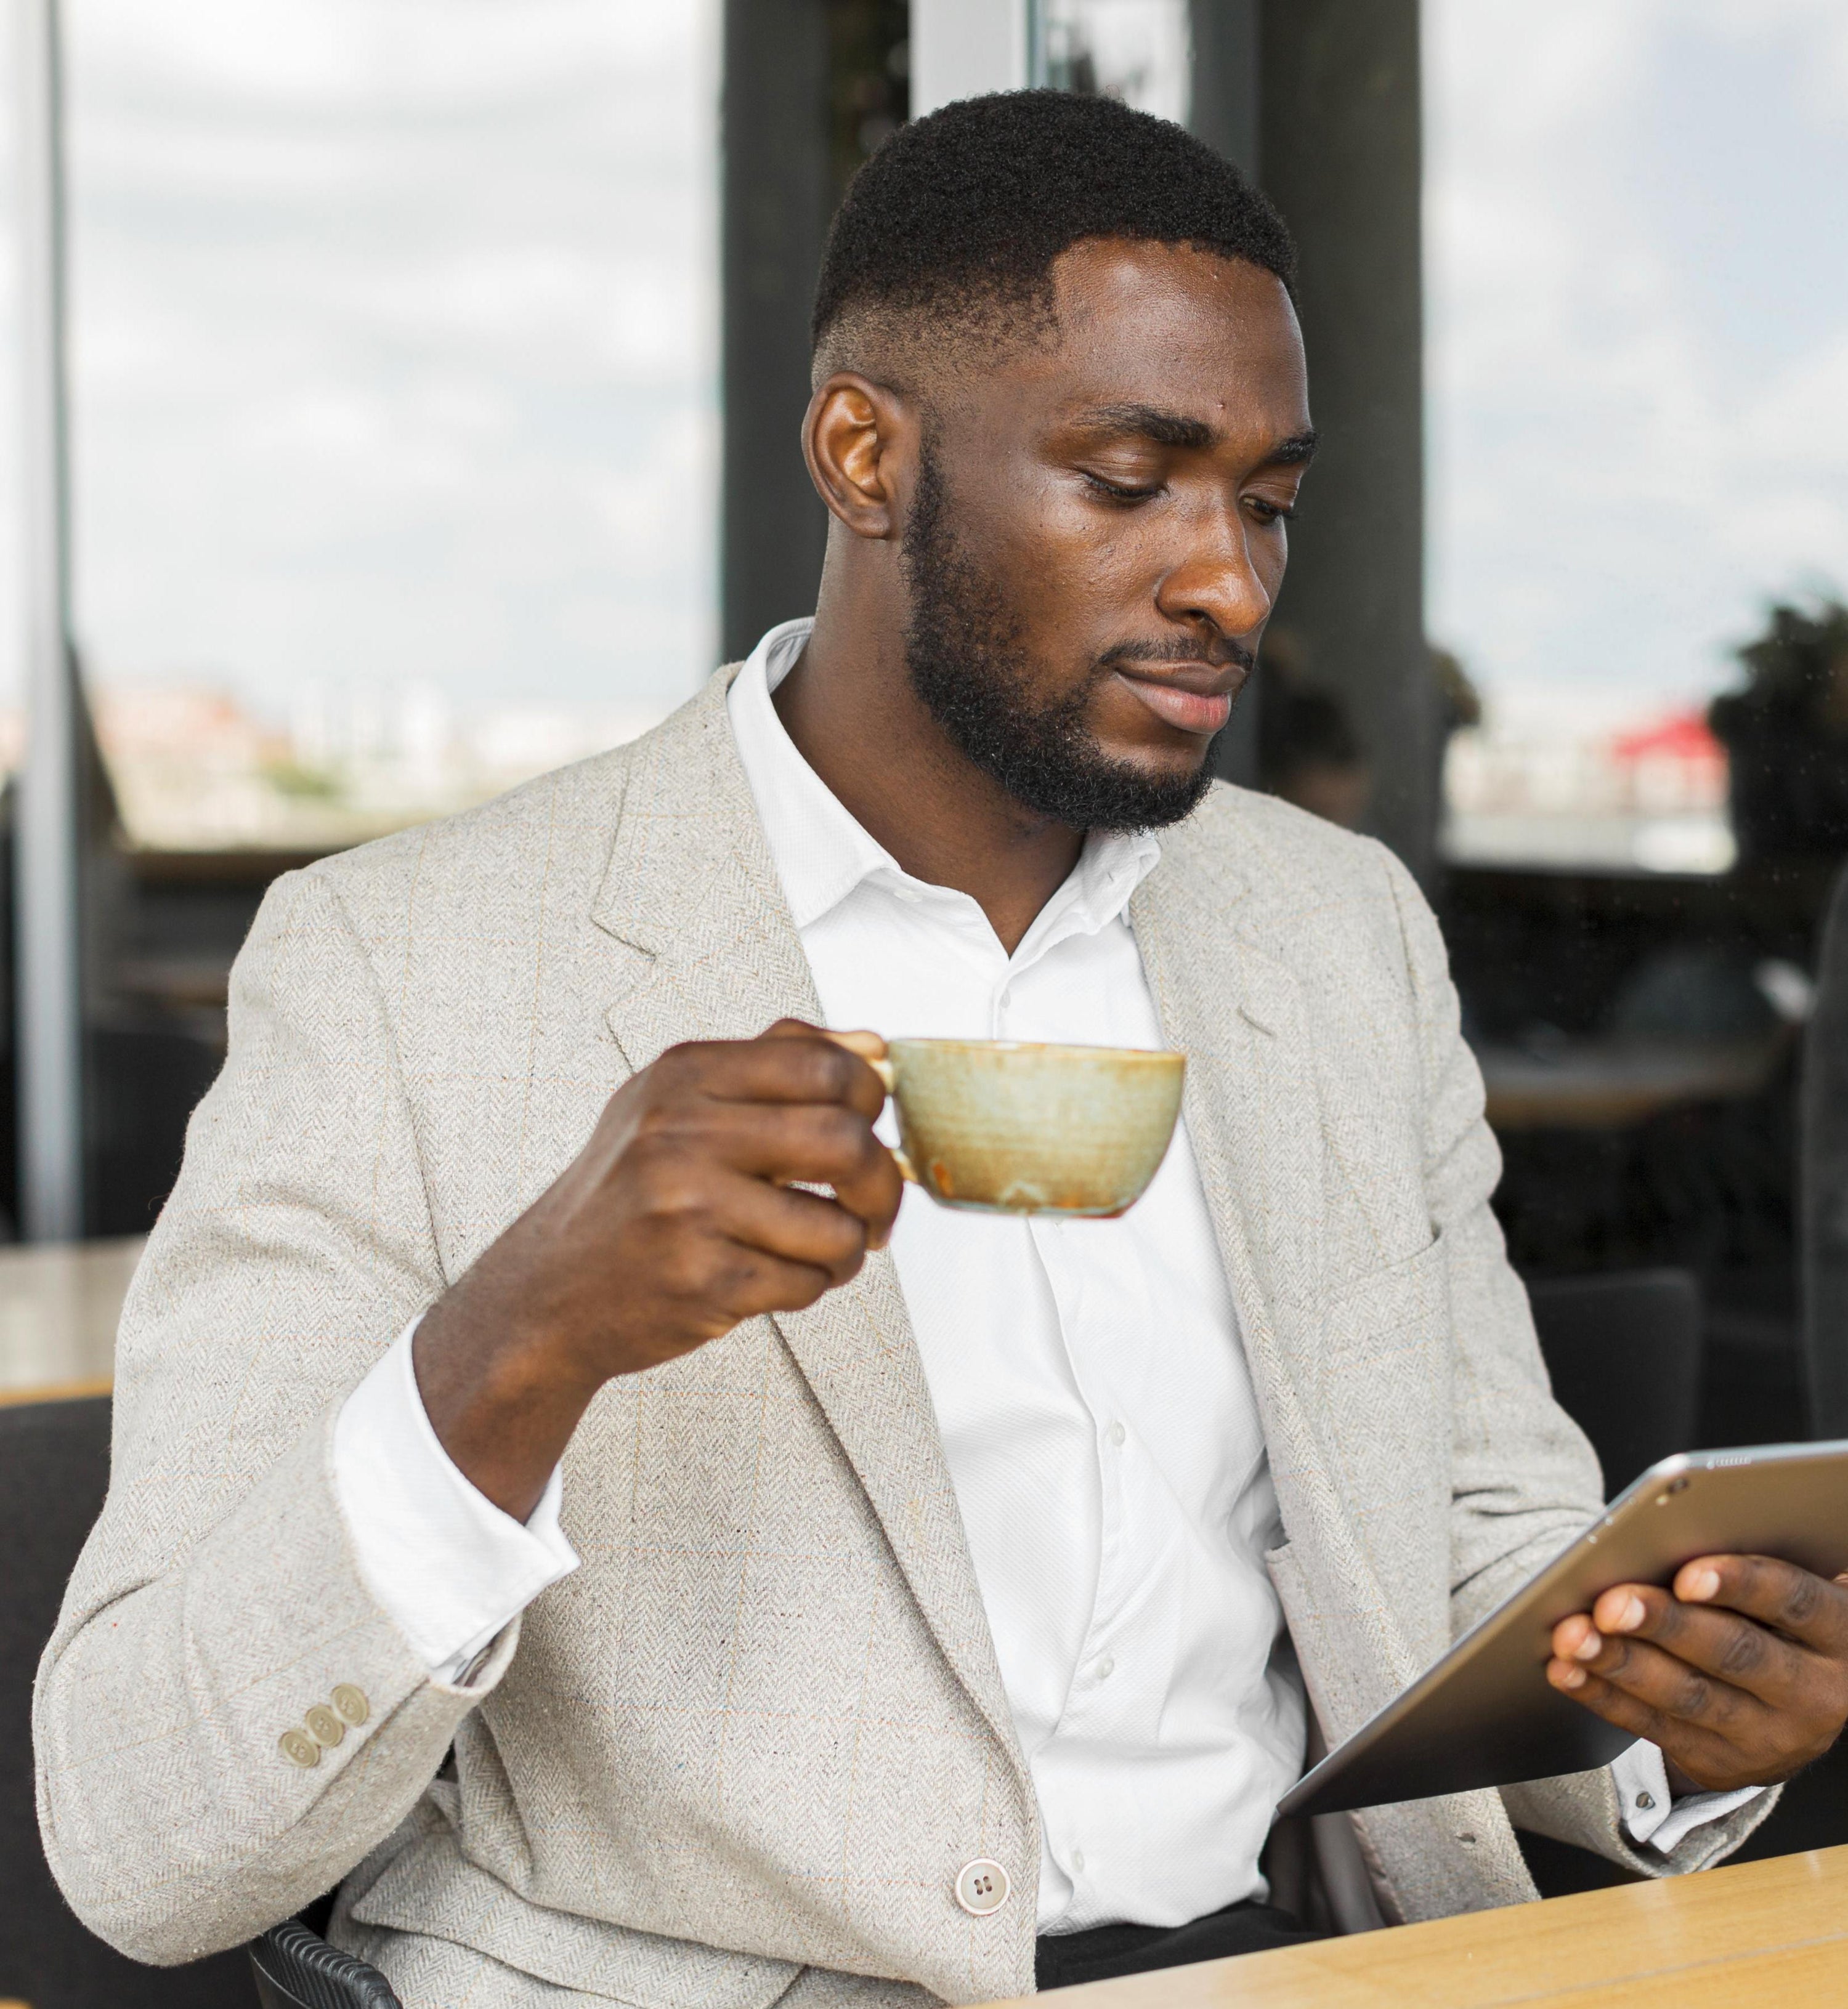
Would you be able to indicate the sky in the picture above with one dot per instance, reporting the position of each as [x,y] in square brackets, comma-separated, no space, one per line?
[394,346]
[1637,245]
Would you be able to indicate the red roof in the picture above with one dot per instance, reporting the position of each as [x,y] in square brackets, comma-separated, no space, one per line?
[1679,735]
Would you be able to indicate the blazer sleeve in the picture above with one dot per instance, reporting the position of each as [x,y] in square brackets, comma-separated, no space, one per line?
[1524,1479]
[218,1601]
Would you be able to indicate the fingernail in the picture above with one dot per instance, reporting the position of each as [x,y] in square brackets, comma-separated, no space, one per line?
[1631,1615]
[1702,1586]
[1588,1648]
[1569,1677]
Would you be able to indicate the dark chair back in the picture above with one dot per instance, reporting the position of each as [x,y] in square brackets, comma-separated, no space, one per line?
[1624,1353]
[54,1472]
[295,1968]
[1823,1183]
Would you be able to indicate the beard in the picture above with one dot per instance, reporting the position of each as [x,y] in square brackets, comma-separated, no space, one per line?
[966,662]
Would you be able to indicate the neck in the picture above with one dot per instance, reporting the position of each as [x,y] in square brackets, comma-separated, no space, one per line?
[849,707]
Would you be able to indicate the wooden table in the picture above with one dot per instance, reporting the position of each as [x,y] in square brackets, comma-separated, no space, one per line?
[1764,1934]
[59,1305]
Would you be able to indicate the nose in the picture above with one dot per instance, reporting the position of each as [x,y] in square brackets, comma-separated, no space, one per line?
[1217,579]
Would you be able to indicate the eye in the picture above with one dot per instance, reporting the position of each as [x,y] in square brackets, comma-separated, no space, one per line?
[1119,491]
[1270,512]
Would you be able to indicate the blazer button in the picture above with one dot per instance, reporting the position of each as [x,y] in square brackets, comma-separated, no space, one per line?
[982,1887]
[324,1726]
[300,1748]
[351,1703]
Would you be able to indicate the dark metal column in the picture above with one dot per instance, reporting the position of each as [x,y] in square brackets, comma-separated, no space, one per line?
[776,193]
[1226,78]
[1341,157]
[1226,114]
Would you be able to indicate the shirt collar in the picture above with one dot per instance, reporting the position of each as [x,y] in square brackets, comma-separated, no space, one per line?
[821,853]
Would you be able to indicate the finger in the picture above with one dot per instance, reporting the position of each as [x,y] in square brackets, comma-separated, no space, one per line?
[1577,1638]
[1671,1688]
[795,1227]
[1800,1605]
[745,1281]
[791,1063]
[1696,1750]
[817,1143]
[1740,1651]
[869,1045]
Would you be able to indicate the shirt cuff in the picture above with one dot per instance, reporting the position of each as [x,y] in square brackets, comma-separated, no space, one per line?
[1652,1817]
[445,1564]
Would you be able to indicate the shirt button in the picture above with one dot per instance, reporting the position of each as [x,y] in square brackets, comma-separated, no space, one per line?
[1106,1668]
[982,1887]
[1118,1434]
[1645,1800]
[1078,1861]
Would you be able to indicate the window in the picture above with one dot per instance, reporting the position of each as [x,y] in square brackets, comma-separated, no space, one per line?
[1638,379]
[393,396]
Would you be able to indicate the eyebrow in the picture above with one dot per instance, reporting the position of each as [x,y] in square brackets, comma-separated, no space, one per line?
[1294,452]
[1149,422]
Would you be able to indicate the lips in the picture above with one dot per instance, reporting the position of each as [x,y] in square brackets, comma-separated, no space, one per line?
[1175,704]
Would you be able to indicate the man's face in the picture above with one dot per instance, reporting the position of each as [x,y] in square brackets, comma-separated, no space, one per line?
[1096,536]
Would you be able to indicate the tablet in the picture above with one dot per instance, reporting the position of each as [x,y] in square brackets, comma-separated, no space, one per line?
[1486,1715]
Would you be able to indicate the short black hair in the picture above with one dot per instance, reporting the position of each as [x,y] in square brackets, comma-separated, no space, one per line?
[969,207]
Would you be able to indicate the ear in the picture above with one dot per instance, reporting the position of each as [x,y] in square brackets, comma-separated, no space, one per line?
[857,437]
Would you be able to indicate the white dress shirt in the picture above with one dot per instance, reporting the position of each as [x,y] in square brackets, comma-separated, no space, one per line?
[1090,1384]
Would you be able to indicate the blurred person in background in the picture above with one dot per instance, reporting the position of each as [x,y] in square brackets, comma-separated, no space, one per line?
[1308,752]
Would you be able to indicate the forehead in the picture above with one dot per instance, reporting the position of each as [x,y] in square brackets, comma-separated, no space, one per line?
[1161,323]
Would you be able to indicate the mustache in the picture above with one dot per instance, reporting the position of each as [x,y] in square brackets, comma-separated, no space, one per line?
[1221,652]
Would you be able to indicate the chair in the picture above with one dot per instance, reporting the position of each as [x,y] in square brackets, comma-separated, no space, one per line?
[1822,1202]
[54,1472]
[1624,1353]
[1623,1350]
[295,1968]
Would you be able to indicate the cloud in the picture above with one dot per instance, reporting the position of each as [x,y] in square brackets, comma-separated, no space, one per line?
[395,334]
[1638,330]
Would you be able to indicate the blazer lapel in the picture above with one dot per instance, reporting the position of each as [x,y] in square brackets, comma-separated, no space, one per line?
[1251,1103]
[692,889]
[1254,1119]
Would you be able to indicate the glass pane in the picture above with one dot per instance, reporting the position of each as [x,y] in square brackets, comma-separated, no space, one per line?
[394,397]
[1136,50]
[1638,371]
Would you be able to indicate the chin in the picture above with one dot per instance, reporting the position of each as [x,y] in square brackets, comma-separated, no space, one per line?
[1161,770]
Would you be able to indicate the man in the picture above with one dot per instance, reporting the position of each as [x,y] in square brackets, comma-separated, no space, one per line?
[914,1604]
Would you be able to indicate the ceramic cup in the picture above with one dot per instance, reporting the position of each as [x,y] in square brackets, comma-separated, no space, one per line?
[1005,1128]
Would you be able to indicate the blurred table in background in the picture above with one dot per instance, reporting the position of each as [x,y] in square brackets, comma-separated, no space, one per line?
[1598,1084]
[58,1309]
[1760,1936]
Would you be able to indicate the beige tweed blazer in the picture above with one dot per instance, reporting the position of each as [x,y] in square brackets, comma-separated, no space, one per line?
[739,1756]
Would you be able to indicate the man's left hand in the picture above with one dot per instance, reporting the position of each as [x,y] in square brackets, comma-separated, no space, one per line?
[1739,1674]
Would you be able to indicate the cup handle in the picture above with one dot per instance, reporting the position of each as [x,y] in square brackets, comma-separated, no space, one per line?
[880,1065]
[882,1068]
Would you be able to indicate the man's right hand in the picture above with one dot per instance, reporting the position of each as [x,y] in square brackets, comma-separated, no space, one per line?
[677,1221]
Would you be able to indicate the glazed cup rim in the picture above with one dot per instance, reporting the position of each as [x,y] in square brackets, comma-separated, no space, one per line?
[1066,1049]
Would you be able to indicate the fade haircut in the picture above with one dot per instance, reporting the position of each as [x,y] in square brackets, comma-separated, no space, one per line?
[958,217]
